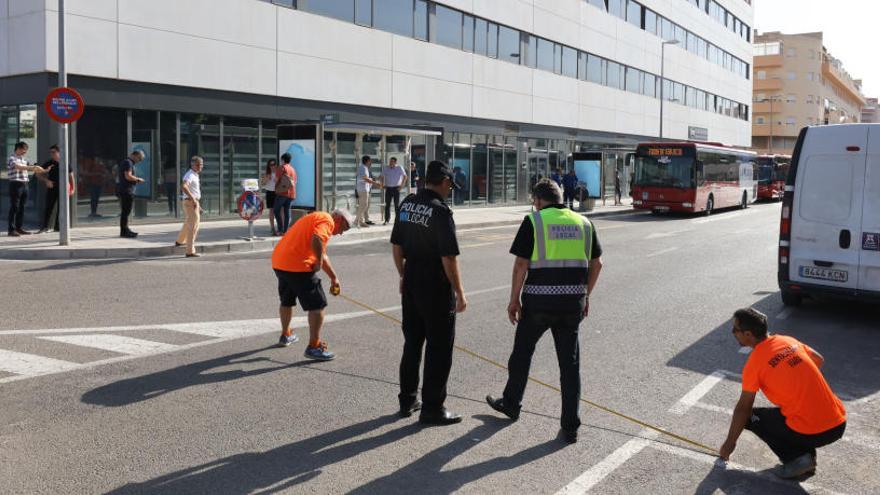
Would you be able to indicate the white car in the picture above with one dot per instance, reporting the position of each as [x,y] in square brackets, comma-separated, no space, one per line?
[830,230]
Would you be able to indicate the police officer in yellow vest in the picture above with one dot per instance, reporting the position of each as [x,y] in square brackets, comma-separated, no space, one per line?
[556,268]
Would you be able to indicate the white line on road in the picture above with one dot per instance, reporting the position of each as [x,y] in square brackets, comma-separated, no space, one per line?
[785,313]
[724,216]
[32,365]
[608,465]
[713,408]
[663,235]
[114,343]
[685,403]
[665,251]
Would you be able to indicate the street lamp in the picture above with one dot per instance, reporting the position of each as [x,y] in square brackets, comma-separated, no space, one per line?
[663,79]
[770,142]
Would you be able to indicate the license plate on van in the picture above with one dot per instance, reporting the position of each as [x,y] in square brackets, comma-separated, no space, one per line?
[824,274]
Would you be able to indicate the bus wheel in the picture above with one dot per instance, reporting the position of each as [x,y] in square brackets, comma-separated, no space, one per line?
[745,201]
[710,203]
[789,298]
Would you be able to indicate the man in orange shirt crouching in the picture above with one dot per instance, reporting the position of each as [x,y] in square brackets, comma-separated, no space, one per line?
[787,372]
[297,259]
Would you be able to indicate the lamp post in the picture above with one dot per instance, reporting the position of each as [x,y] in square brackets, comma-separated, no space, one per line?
[63,135]
[663,79]
[770,142]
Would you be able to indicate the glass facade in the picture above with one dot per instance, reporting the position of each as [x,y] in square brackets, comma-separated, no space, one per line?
[18,123]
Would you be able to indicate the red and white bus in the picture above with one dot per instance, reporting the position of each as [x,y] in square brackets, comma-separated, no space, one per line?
[772,170]
[693,177]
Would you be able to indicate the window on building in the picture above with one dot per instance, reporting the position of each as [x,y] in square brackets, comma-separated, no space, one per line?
[529,48]
[789,121]
[481,29]
[681,35]
[569,62]
[773,48]
[651,24]
[701,99]
[582,66]
[810,76]
[614,78]
[492,49]
[650,88]
[595,69]
[557,58]
[634,14]
[508,44]
[668,31]
[759,120]
[791,53]
[790,98]
[447,27]
[468,33]
[691,97]
[598,3]
[791,76]
[809,98]
[761,75]
[811,54]
[546,53]
[395,16]
[692,42]
[340,9]
[633,80]
[616,8]
[678,93]
[420,21]
[363,14]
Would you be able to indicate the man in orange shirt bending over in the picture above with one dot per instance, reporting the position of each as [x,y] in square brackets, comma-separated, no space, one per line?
[809,414]
[297,259]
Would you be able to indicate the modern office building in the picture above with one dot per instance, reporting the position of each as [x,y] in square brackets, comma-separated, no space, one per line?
[798,83]
[505,89]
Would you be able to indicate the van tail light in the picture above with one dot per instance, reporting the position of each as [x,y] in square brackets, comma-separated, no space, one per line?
[785,232]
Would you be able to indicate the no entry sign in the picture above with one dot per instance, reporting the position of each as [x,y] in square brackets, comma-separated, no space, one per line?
[64,105]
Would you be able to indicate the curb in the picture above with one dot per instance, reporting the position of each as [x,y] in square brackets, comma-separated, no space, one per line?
[238,246]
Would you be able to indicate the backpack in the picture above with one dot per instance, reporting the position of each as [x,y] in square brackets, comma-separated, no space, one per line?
[285,184]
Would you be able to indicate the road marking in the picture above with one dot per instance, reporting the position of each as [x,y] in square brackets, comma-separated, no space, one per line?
[32,365]
[608,465]
[724,216]
[714,408]
[114,343]
[685,403]
[659,253]
[663,235]
[785,313]
[481,244]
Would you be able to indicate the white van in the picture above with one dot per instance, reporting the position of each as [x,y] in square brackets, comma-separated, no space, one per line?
[830,230]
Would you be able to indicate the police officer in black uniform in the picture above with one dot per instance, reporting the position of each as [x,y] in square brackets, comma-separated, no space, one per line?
[425,252]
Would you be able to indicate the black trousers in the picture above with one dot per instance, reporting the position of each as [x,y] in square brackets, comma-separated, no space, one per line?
[529,331]
[51,202]
[768,424]
[391,194]
[125,203]
[18,194]
[568,198]
[426,319]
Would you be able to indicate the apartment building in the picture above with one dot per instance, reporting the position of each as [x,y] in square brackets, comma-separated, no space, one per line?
[798,83]
[506,90]
[871,111]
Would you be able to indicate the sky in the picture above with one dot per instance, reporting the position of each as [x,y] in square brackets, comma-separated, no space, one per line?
[849,27]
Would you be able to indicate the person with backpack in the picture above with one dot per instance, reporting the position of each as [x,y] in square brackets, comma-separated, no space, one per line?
[285,193]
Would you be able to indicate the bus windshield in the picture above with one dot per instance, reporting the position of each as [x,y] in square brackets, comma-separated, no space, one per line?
[664,171]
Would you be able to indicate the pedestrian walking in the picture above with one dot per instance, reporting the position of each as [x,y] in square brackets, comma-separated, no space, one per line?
[296,260]
[268,183]
[414,178]
[569,184]
[394,178]
[363,186]
[425,251]
[557,177]
[460,194]
[192,195]
[285,193]
[17,168]
[618,191]
[125,184]
[50,178]
[808,415]
[558,261]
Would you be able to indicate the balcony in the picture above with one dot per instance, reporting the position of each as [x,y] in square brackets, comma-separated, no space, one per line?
[768,84]
[763,61]
[842,82]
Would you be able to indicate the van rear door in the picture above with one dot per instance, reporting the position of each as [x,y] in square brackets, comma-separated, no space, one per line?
[869,238]
[827,209]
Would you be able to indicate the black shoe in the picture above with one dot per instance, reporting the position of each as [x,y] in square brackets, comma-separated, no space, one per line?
[178,244]
[370,222]
[500,406]
[128,235]
[13,233]
[568,436]
[407,411]
[442,418]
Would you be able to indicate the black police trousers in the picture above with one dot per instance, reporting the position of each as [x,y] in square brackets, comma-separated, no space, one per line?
[529,331]
[769,425]
[429,320]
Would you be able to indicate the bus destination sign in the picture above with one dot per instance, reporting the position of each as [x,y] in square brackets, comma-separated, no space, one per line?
[665,151]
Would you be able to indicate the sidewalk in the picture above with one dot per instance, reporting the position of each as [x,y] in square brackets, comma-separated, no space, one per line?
[223,236]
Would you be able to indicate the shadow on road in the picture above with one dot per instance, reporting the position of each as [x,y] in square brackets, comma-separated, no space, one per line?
[291,465]
[722,480]
[79,264]
[846,333]
[138,389]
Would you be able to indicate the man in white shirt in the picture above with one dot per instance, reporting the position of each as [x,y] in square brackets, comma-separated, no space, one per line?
[192,193]
[17,169]
[363,186]
[394,179]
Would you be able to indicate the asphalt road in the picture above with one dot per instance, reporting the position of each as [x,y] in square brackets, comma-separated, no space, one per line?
[158,376]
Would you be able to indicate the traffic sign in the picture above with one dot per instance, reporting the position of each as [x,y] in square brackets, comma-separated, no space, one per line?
[250,206]
[64,105]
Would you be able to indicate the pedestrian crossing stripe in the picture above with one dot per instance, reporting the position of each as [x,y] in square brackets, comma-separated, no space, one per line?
[20,363]
[114,343]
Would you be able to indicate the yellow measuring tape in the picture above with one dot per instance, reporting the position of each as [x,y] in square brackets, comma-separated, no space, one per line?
[545,384]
